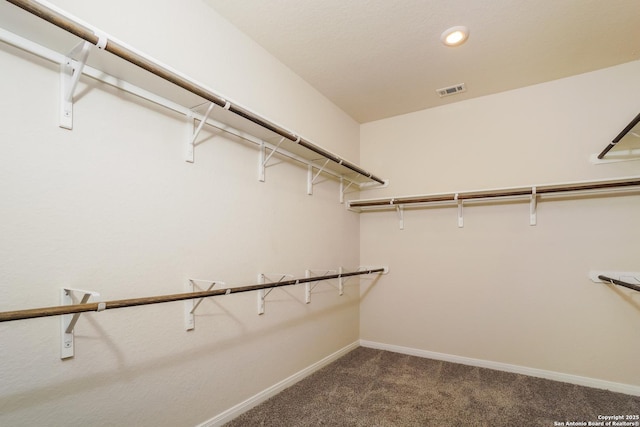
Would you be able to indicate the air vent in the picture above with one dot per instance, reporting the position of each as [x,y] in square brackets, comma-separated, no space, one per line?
[451,90]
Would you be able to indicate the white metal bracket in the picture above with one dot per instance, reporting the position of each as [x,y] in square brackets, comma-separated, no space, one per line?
[194,131]
[311,178]
[264,159]
[460,211]
[262,293]
[361,186]
[400,211]
[191,305]
[343,280]
[70,72]
[533,207]
[343,188]
[311,286]
[68,321]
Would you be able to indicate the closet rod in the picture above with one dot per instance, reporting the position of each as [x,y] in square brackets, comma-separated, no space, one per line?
[506,192]
[100,306]
[619,137]
[619,283]
[147,64]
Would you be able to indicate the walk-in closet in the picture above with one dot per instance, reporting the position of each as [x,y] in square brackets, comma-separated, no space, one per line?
[416,213]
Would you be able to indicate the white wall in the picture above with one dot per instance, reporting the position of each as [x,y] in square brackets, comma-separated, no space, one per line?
[112,207]
[498,289]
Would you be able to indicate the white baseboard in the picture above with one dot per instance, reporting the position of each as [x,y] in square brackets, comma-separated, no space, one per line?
[533,372]
[256,399]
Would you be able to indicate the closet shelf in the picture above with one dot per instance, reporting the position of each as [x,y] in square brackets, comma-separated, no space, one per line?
[529,193]
[599,186]
[138,73]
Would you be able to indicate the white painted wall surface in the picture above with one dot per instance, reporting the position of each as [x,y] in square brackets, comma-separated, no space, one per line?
[498,289]
[112,207]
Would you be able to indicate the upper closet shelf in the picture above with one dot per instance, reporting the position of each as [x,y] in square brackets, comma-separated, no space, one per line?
[625,146]
[46,31]
[529,193]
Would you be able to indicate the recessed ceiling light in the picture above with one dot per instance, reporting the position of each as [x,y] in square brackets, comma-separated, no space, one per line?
[455,36]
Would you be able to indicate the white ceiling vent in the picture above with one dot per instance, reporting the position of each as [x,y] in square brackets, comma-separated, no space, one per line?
[451,90]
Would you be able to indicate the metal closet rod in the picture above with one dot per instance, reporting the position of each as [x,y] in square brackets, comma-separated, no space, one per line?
[87,34]
[132,302]
[619,137]
[619,283]
[507,192]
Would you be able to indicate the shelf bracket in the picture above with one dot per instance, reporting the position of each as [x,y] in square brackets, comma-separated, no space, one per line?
[189,155]
[191,305]
[262,293]
[70,72]
[309,286]
[460,211]
[374,185]
[343,188]
[400,211]
[264,159]
[533,207]
[311,178]
[68,321]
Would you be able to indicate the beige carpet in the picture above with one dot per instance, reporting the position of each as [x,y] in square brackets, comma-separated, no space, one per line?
[377,388]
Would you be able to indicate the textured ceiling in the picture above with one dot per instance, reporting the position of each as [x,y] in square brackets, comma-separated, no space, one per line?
[380,58]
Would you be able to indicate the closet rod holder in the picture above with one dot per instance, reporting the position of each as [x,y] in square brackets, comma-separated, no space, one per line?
[619,283]
[102,41]
[617,139]
[107,305]
[68,321]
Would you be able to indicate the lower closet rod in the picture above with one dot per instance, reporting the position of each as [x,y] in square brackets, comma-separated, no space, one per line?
[99,306]
[619,283]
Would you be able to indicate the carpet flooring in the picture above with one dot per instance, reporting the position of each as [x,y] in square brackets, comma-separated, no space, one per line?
[370,387]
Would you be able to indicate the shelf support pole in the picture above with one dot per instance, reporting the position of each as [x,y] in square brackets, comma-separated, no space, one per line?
[68,321]
[70,72]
